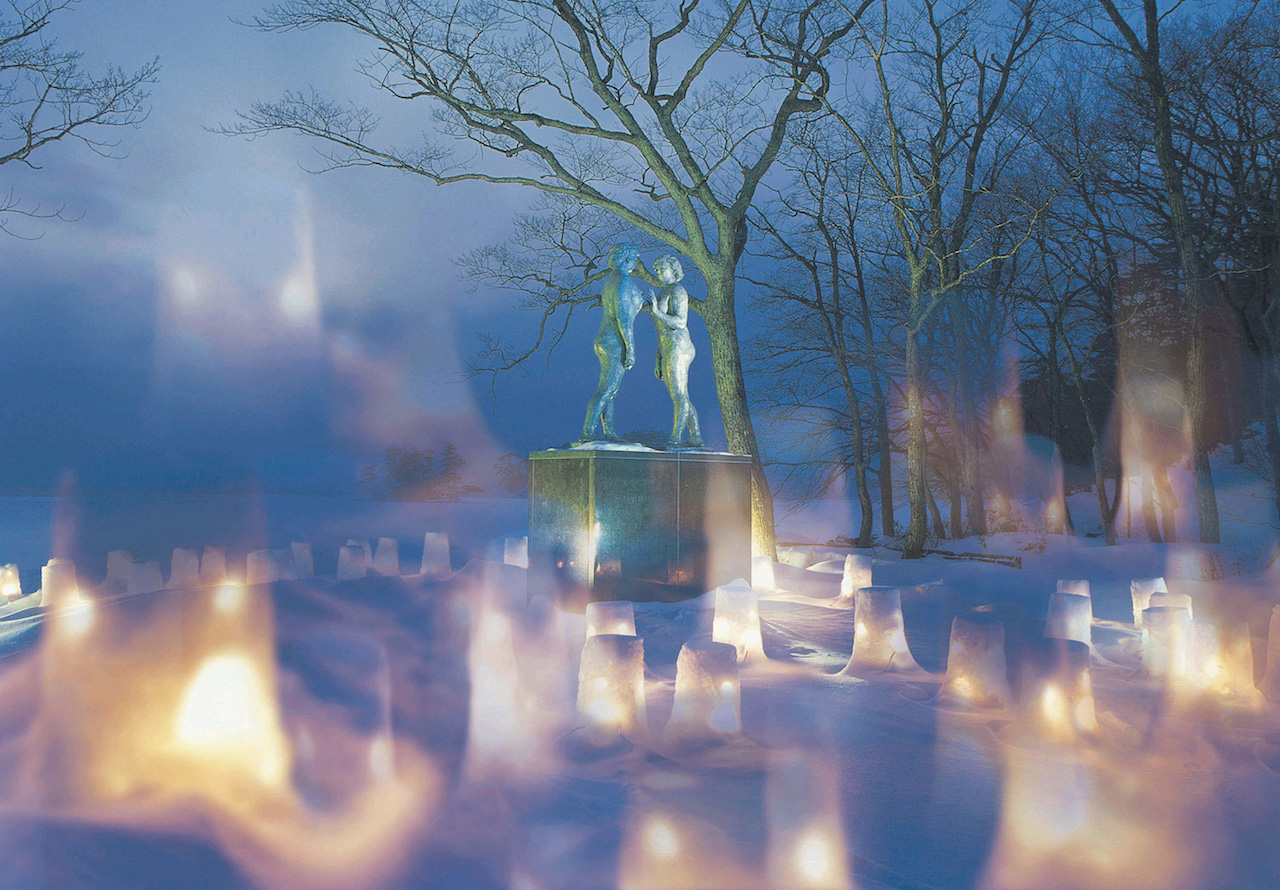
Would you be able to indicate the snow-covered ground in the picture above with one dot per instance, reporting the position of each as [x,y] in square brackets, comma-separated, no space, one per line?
[429,729]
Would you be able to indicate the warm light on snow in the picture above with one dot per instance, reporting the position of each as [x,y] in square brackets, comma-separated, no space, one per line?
[1166,635]
[762,574]
[228,716]
[1220,664]
[802,813]
[229,598]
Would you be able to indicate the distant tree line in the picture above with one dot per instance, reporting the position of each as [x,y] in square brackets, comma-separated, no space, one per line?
[417,474]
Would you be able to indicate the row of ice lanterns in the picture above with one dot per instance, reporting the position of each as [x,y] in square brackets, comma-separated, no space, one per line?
[188,568]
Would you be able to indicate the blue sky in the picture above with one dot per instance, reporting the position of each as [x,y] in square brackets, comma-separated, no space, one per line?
[216,313]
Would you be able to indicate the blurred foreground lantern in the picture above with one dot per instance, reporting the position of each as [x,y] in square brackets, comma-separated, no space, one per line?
[261,568]
[184,570]
[611,686]
[435,554]
[1070,617]
[58,584]
[1141,590]
[879,634]
[806,835]
[1166,635]
[977,673]
[1168,600]
[386,560]
[1220,664]
[762,576]
[737,620]
[665,848]
[856,575]
[708,697]
[1271,679]
[351,562]
[611,618]
[1056,702]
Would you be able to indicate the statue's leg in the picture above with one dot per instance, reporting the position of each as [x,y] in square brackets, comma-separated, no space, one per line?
[596,406]
[610,380]
[687,415]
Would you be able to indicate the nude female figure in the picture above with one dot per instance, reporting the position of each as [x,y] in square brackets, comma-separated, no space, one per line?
[670,311]
[621,300]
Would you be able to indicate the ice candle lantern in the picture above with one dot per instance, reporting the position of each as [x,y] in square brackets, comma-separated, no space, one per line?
[261,568]
[977,673]
[1056,703]
[856,575]
[184,570]
[1070,617]
[144,577]
[386,560]
[118,562]
[213,566]
[762,577]
[1166,631]
[515,552]
[737,620]
[1141,590]
[879,634]
[611,686]
[435,554]
[1078,586]
[1174,601]
[58,584]
[303,563]
[351,562]
[10,584]
[611,618]
[708,698]
[1220,663]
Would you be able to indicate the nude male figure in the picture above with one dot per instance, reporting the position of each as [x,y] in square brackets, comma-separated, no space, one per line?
[621,300]
[670,311]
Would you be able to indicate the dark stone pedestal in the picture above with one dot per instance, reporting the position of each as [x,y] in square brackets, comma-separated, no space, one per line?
[610,524]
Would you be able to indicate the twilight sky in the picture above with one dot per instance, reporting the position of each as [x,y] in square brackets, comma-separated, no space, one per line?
[217,314]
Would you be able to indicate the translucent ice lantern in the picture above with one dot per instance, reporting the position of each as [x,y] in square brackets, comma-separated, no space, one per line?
[708,699]
[351,562]
[303,563]
[386,560]
[1070,617]
[611,686]
[10,585]
[1220,663]
[144,577]
[184,571]
[1056,703]
[737,620]
[58,584]
[435,554]
[879,635]
[1078,586]
[976,670]
[118,562]
[515,552]
[261,568]
[762,573]
[1166,633]
[1271,679]
[611,618]
[1174,601]
[213,566]
[856,575]
[1141,590]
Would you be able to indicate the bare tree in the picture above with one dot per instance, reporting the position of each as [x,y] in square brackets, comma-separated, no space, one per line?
[933,132]
[47,97]
[684,104]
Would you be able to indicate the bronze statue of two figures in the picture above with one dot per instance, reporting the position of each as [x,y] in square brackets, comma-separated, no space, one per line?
[622,300]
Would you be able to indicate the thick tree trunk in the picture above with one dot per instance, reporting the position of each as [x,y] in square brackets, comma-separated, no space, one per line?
[970,471]
[935,515]
[1100,483]
[731,391]
[917,493]
[865,531]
